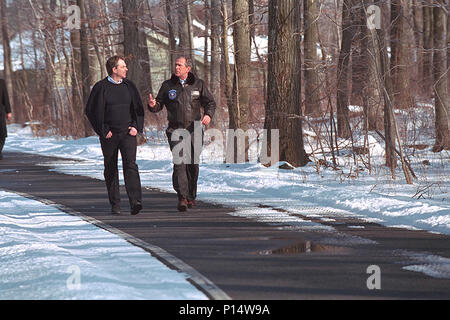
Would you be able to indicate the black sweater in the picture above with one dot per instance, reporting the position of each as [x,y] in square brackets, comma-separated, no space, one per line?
[118,115]
[96,107]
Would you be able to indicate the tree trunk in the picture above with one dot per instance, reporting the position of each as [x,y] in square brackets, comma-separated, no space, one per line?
[7,62]
[76,81]
[373,108]
[418,31]
[49,34]
[85,71]
[440,74]
[348,33]
[228,79]
[283,109]
[191,37]
[311,38]
[241,39]
[135,46]
[172,41]
[216,21]
[385,84]
[207,38]
[401,36]
[427,47]
[183,31]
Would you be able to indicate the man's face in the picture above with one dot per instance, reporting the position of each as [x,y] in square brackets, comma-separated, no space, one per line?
[121,69]
[181,70]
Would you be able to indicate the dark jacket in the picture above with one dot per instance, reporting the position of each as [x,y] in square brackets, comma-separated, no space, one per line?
[96,106]
[5,108]
[183,103]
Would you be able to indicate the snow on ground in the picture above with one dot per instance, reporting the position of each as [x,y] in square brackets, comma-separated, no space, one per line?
[279,196]
[48,254]
[351,191]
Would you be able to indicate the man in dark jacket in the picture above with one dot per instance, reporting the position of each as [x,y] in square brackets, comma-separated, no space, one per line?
[5,113]
[183,96]
[116,113]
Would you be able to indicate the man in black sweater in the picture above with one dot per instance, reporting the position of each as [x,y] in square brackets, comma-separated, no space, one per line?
[116,113]
[5,114]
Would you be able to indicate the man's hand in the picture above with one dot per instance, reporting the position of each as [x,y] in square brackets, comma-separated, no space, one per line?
[133,132]
[206,120]
[9,116]
[109,135]
[151,101]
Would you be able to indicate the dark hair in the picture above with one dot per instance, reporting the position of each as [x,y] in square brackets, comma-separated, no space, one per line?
[112,63]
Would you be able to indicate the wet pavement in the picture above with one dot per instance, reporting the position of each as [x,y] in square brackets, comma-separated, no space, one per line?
[229,256]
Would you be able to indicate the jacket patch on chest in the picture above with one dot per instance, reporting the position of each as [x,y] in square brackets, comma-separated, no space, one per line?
[172,94]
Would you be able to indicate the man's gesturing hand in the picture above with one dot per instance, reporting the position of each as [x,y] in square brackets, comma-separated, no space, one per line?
[206,120]
[151,101]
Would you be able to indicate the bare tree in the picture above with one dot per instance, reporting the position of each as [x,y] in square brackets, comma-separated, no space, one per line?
[427,47]
[348,33]
[216,22]
[283,109]
[311,39]
[401,36]
[85,73]
[7,62]
[171,29]
[135,45]
[227,73]
[241,97]
[440,73]
[185,36]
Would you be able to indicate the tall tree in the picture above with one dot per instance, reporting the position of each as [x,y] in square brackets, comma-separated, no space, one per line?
[84,61]
[283,109]
[185,36]
[76,79]
[386,87]
[227,74]
[427,61]
[171,28]
[241,83]
[440,74]
[348,33]
[135,45]
[49,36]
[7,60]
[374,101]
[215,50]
[311,39]
[401,39]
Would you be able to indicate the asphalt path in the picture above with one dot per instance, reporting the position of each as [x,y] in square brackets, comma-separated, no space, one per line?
[233,257]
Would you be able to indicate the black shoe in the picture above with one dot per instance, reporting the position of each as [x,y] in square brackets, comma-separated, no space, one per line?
[1,156]
[115,209]
[182,204]
[135,208]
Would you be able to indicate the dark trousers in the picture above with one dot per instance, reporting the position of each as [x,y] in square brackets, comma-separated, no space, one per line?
[2,143]
[185,175]
[127,146]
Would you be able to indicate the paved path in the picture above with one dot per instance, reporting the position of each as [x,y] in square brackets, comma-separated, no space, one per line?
[234,257]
